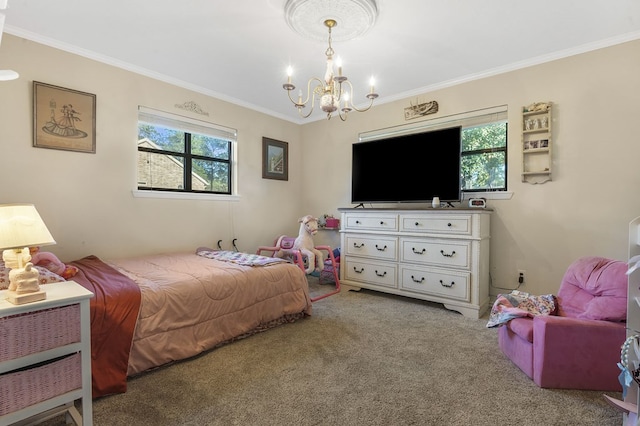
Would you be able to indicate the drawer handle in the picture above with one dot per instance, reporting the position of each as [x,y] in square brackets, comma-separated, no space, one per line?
[381,274]
[413,249]
[417,223]
[418,281]
[447,285]
[449,225]
[381,249]
[381,223]
[447,255]
[358,222]
[355,245]
[358,272]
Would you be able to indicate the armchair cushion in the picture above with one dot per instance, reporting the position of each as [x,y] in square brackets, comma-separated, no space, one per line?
[591,289]
[522,327]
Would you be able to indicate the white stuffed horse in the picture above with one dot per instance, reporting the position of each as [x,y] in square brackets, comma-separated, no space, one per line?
[304,243]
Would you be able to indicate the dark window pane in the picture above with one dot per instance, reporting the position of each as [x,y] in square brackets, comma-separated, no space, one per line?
[160,171]
[161,137]
[484,171]
[211,176]
[210,147]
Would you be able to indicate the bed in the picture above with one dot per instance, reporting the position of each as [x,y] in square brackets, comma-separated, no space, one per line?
[152,310]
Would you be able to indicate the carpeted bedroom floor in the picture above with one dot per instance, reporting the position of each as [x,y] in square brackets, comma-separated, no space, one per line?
[363,358]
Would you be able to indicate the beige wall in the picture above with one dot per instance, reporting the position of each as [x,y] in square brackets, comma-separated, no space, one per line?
[584,211]
[87,203]
[86,199]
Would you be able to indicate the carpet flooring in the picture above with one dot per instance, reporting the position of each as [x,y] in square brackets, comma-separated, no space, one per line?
[362,358]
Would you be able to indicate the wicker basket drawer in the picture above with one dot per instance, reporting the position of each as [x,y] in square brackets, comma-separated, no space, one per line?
[39,331]
[22,388]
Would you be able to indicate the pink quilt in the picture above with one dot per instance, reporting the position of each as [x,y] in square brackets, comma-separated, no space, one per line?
[191,303]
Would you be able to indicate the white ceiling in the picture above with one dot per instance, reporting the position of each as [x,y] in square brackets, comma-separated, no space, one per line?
[239,50]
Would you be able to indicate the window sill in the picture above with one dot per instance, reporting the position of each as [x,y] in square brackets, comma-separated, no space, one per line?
[183,195]
[497,195]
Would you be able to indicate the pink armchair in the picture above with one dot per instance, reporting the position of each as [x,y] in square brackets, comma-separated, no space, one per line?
[580,347]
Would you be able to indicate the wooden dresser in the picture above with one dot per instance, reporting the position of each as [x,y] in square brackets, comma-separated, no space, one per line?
[440,255]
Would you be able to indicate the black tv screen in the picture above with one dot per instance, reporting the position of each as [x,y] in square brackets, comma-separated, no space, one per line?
[408,168]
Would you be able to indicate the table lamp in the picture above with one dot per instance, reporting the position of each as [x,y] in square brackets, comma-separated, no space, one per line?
[22,227]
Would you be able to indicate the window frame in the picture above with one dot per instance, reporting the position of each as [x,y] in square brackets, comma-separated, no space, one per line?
[189,126]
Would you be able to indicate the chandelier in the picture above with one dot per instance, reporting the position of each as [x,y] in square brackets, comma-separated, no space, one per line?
[333,92]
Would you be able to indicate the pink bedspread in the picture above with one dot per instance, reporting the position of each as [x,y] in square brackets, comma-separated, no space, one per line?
[191,303]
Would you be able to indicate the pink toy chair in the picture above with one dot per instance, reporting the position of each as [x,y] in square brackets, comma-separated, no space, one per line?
[580,347]
[284,245]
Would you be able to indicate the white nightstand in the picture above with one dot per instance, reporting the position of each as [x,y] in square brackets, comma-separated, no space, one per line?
[45,356]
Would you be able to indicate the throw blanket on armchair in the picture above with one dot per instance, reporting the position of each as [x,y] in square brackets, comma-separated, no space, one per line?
[520,304]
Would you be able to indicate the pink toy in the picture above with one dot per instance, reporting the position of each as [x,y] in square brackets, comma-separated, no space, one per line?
[51,262]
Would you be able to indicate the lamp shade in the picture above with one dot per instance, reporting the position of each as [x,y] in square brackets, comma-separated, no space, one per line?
[21,226]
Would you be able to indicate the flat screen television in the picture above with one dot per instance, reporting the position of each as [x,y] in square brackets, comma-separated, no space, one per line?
[408,168]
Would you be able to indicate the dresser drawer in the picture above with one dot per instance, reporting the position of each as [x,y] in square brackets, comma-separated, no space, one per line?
[379,273]
[447,253]
[378,247]
[450,284]
[32,385]
[33,332]
[439,224]
[371,222]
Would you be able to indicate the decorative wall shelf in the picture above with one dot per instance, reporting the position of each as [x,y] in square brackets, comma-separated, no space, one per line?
[536,142]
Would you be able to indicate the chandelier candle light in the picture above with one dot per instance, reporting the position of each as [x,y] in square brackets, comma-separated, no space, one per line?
[332,91]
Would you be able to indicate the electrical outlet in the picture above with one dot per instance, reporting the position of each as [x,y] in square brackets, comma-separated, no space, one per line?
[521,276]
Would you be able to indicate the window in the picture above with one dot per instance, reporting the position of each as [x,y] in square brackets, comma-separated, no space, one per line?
[179,154]
[483,160]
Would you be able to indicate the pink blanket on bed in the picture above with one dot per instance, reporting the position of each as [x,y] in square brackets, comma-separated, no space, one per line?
[191,303]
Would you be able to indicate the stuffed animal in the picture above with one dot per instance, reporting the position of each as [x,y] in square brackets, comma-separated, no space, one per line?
[51,262]
[304,243]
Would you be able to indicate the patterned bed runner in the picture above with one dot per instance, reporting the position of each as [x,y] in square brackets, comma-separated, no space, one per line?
[245,259]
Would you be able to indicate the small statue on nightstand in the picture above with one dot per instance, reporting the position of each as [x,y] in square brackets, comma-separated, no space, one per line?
[25,280]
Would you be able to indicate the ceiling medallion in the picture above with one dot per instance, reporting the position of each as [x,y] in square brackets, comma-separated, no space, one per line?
[307,17]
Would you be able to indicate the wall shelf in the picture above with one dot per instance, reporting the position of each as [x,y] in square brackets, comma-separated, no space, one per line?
[536,142]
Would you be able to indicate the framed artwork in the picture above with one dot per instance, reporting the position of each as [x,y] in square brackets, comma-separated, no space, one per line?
[275,159]
[63,118]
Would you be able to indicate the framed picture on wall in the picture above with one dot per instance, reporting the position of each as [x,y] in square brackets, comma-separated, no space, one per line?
[63,118]
[275,159]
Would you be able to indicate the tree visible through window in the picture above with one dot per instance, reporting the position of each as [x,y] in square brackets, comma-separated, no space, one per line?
[483,161]
[171,158]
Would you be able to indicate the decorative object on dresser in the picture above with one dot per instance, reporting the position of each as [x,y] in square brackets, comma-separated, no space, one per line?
[43,374]
[22,227]
[436,255]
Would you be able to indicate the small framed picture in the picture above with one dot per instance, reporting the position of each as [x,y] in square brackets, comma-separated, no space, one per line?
[275,159]
[63,118]
[526,145]
[544,143]
[534,144]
